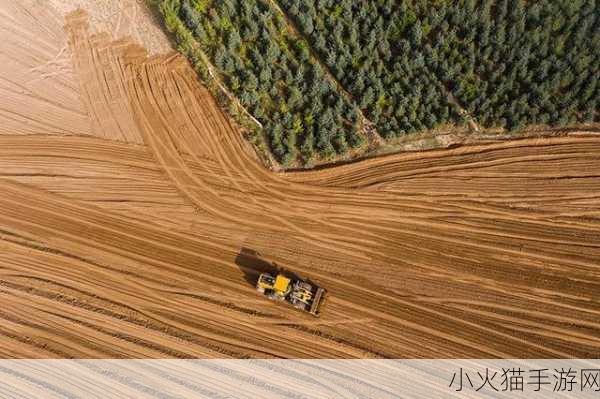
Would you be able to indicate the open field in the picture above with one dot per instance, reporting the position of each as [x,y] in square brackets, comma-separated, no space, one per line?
[123,220]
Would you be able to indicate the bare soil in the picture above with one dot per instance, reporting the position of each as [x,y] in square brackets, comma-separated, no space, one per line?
[128,201]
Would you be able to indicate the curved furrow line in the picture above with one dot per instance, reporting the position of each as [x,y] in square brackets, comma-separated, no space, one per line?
[223,321]
[71,240]
[353,287]
[379,168]
[165,149]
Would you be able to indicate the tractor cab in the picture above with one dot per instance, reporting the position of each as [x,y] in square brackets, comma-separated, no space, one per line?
[265,281]
[279,286]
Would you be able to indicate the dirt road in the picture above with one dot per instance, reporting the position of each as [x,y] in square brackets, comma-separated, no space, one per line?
[125,239]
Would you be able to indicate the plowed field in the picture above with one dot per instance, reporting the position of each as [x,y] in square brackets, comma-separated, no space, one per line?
[129,202]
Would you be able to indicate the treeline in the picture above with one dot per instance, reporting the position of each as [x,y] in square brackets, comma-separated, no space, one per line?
[272,74]
[510,63]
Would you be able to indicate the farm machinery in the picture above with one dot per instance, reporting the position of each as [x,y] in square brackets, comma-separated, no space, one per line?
[300,293]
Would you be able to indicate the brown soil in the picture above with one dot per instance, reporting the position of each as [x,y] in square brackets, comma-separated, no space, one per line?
[121,235]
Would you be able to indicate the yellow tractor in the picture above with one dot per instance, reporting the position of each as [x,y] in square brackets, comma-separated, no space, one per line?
[299,293]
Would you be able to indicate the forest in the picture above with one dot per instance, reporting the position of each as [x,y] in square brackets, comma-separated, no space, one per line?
[509,63]
[310,72]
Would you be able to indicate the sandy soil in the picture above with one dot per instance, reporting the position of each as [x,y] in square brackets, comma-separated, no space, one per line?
[121,234]
[120,18]
[38,88]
